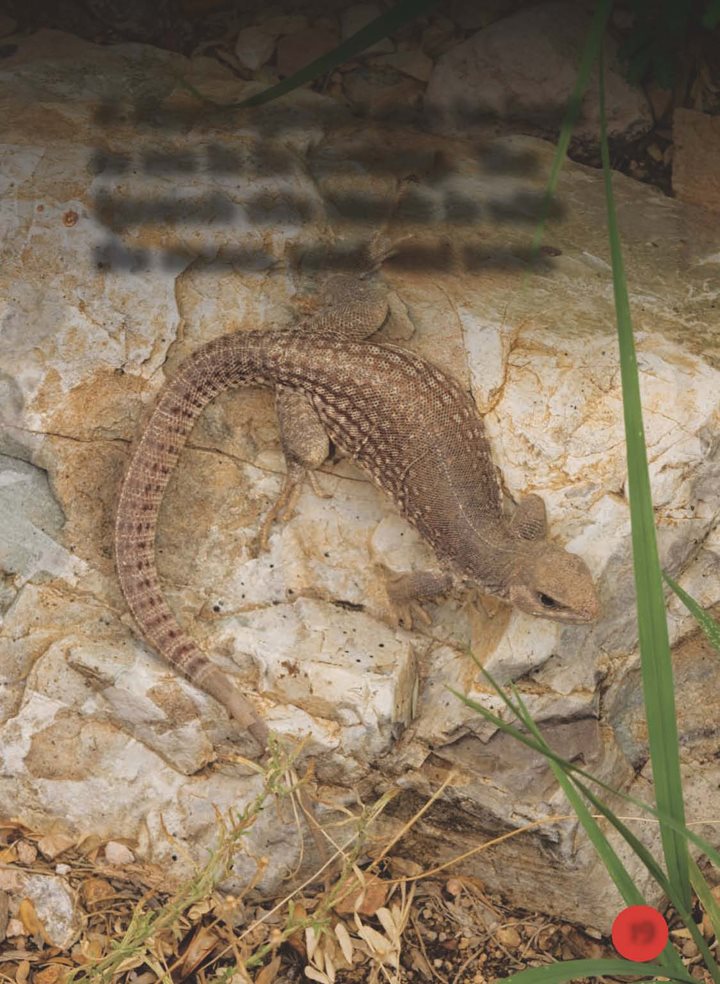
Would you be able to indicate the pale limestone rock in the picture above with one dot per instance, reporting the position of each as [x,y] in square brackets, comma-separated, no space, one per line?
[53,900]
[696,158]
[254,46]
[523,68]
[411,62]
[116,853]
[97,736]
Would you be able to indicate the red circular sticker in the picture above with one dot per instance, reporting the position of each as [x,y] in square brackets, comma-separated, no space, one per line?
[639,933]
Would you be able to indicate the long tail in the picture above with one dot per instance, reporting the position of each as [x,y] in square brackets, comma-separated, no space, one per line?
[225,362]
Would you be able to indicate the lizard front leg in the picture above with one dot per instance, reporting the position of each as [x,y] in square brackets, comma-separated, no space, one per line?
[305,446]
[406,591]
[346,304]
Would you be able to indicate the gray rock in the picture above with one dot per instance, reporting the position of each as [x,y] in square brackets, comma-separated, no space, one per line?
[522,69]
[52,898]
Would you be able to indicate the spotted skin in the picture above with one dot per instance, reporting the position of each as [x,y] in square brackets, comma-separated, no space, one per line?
[410,426]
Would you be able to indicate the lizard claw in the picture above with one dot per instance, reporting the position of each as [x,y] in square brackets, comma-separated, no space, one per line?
[282,508]
[404,610]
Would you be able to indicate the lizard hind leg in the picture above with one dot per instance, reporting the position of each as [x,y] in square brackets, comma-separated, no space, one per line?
[305,445]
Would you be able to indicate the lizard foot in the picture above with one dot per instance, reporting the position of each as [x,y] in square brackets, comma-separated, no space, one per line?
[282,508]
[284,505]
[404,592]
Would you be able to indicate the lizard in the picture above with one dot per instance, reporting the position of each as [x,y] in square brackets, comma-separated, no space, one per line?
[410,426]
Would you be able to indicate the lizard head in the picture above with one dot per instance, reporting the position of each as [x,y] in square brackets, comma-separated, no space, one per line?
[552,583]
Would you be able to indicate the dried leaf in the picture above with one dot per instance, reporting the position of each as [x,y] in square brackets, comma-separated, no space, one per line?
[406,867]
[389,924]
[508,936]
[23,972]
[200,909]
[96,890]
[31,921]
[316,975]
[50,974]
[4,913]
[379,944]
[90,845]
[202,943]
[8,855]
[89,949]
[330,967]
[268,974]
[136,959]
[297,939]
[311,941]
[343,938]
[365,896]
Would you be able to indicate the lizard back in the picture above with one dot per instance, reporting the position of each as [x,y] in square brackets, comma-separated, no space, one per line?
[389,409]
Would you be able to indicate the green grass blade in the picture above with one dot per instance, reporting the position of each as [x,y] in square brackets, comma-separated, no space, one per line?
[571,969]
[566,772]
[709,626]
[587,60]
[508,729]
[711,17]
[403,12]
[615,867]
[706,897]
[653,639]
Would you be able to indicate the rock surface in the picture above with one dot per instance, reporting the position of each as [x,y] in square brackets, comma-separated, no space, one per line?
[51,899]
[115,270]
[523,68]
[696,158]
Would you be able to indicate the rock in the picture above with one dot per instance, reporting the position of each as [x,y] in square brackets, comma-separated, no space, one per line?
[438,37]
[99,739]
[412,62]
[661,100]
[382,95]
[119,854]
[298,50]
[523,68]
[254,46]
[49,906]
[52,845]
[282,24]
[15,929]
[696,158]
[359,15]
[26,852]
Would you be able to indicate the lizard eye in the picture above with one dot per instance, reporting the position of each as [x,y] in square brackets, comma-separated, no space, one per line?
[546,601]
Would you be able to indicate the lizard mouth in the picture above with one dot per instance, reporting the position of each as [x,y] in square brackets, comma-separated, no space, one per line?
[571,616]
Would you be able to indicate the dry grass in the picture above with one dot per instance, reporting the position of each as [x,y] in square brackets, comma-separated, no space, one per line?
[353,920]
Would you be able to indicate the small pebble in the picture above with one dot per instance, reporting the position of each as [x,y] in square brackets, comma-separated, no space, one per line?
[116,853]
